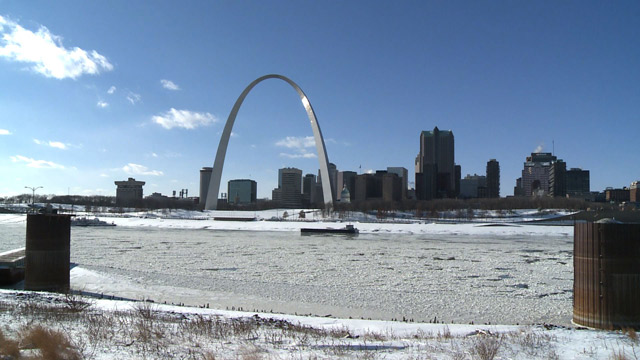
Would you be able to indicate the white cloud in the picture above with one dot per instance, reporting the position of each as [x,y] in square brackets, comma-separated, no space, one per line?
[53,144]
[135,169]
[299,156]
[104,175]
[133,98]
[111,90]
[46,53]
[170,85]
[184,119]
[293,142]
[154,155]
[102,104]
[300,145]
[39,164]
[58,145]
[5,132]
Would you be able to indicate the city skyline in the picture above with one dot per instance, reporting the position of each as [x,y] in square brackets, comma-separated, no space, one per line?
[86,103]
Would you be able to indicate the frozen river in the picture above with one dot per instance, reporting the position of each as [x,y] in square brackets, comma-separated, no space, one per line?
[503,277]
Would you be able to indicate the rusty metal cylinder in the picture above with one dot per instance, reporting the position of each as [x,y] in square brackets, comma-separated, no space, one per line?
[47,253]
[606,286]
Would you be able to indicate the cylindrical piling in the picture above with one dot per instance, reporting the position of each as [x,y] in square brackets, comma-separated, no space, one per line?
[606,287]
[47,253]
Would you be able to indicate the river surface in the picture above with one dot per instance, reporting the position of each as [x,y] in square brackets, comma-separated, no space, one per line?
[497,279]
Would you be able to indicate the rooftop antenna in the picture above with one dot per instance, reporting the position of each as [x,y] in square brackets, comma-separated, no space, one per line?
[553,147]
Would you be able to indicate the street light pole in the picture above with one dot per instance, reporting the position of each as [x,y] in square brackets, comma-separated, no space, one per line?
[33,192]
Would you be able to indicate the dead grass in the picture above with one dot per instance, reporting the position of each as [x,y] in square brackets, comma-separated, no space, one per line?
[8,348]
[76,303]
[631,334]
[486,347]
[48,327]
[52,344]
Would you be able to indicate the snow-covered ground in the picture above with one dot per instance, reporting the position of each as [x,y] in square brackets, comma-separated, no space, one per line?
[110,329]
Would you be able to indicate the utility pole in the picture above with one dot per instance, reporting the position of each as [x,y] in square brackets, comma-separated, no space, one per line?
[33,192]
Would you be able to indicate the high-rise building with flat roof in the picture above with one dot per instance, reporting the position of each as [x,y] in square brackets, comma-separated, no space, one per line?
[473,186]
[578,183]
[128,193]
[558,179]
[403,174]
[535,175]
[493,178]
[309,190]
[242,191]
[436,175]
[205,178]
[290,187]
[634,192]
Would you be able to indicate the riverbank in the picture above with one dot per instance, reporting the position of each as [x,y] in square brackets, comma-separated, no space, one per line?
[82,327]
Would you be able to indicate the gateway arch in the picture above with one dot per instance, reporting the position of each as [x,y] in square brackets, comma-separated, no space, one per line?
[214,184]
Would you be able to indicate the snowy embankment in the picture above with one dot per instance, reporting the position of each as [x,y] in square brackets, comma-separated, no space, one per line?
[110,329]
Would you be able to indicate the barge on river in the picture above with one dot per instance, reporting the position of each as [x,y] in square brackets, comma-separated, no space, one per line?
[349,229]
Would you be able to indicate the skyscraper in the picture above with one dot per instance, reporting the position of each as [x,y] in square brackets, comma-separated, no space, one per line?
[289,188]
[242,191]
[558,179]
[205,178]
[493,178]
[404,177]
[535,175]
[436,175]
[129,193]
[578,183]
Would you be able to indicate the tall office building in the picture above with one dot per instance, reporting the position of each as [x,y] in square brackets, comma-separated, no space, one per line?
[333,180]
[128,193]
[578,183]
[309,190]
[205,178]
[403,174]
[493,178]
[473,186]
[242,191]
[436,175]
[289,191]
[558,179]
[535,175]
[634,192]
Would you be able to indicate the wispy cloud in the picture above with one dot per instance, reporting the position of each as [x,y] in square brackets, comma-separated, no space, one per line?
[53,144]
[46,52]
[299,145]
[102,104]
[133,98]
[170,85]
[111,90]
[184,119]
[135,169]
[306,155]
[294,142]
[5,132]
[39,164]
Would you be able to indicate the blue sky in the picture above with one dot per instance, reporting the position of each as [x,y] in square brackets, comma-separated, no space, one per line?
[94,92]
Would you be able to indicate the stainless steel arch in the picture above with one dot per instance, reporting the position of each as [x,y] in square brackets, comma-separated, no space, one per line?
[214,184]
